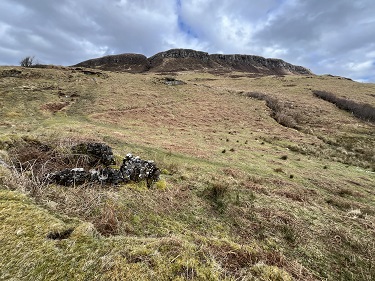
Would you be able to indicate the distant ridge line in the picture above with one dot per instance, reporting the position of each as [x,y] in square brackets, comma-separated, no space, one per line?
[187,59]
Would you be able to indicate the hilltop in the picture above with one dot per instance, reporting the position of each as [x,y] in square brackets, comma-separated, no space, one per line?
[264,176]
[186,59]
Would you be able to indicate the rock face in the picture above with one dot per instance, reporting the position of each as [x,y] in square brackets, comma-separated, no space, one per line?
[125,62]
[180,59]
[187,59]
[249,63]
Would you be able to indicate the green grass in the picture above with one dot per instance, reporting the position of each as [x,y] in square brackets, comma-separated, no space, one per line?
[279,204]
[85,255]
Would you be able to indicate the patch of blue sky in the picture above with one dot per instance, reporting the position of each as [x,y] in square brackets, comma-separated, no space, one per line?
[182,25]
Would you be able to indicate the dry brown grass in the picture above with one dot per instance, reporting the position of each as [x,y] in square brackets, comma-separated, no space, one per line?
[273,224]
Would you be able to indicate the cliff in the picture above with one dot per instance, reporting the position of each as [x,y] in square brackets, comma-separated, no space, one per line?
[187,59]
[180,59]
[250,63]
[125,62]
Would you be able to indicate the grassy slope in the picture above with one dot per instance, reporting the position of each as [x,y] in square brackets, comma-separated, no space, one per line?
[243,213]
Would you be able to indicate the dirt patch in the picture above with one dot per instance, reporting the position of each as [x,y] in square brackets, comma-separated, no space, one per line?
[54,106]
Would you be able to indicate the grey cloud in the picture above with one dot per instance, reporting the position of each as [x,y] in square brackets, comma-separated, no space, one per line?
[70,31]
[326,36]
[315,31]
[310,20]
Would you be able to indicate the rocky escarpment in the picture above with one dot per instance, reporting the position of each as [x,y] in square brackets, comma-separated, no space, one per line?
[187,59]
[180,59]
[250,63]
[125,62]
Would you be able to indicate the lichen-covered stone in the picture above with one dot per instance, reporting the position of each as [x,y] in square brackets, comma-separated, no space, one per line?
[69,177]
[133,169]
[99,152]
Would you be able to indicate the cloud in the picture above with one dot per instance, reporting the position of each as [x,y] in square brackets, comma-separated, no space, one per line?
[225,25]
[67,32]
[326,36]
[362,66]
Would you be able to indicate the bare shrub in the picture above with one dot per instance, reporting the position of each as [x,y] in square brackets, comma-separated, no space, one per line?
[107,223]
[279,110]
[217,192]
[275,105]
[285,120]
[360,110]
[256,95]
[38,159]
[27,61]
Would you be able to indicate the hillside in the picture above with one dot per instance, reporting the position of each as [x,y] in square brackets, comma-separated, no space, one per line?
[186,59]
[260,178]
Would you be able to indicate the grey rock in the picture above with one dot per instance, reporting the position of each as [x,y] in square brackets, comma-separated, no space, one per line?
[110,176]
[133,168]
[69,177]
[100,153]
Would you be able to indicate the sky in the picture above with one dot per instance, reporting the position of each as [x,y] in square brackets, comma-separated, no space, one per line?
[327,36]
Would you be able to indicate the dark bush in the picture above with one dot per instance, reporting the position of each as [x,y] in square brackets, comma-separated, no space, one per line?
[217,192]
[256,95]
[27,62]
[285,120]
[280,113]
[360,110]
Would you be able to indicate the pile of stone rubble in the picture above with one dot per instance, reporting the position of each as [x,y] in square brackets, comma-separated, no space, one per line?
[133,168]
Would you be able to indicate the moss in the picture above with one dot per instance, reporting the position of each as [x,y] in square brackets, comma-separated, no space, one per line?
[5,175]
[165,172]
[161,184]
[84,230]
[270,273]
[7,141]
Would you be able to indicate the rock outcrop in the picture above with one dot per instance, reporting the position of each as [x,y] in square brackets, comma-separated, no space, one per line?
[187,59]
[255,64]
[135,63]
[179,60]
